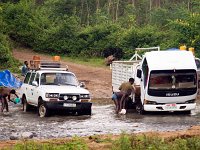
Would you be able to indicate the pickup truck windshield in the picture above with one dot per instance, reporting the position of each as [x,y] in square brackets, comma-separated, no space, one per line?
[58,79]
[180,80]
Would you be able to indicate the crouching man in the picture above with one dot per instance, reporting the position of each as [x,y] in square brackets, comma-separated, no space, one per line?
[119,98]
[5,94]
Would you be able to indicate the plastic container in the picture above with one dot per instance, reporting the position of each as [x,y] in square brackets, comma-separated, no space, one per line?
[183,47]
[36,58]
[36,61]
[17,100]
[56,58]
[191,49]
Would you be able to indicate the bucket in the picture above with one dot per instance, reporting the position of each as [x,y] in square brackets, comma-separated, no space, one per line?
[17,100]
[36,61]
[36,58]
[56,58]
[191,49]
[183,47]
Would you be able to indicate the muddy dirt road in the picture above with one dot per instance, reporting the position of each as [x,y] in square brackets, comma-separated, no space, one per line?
[102,121]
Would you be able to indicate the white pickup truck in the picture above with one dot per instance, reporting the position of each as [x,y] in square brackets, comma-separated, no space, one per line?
[164,80]
[54,89]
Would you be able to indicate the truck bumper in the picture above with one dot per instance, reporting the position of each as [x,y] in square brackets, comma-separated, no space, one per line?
[170,107]
[76,106]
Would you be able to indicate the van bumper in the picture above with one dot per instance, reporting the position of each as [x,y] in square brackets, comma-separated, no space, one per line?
[170,107]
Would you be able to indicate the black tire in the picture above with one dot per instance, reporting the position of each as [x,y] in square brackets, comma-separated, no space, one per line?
[26,106]
[139,108]
[85,112]
[42,110]
[129,104]
[188,112]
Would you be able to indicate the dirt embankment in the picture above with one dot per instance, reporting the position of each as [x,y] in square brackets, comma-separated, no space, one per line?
[97,80]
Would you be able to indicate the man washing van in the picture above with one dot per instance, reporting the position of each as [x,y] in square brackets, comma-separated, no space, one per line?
[119,98]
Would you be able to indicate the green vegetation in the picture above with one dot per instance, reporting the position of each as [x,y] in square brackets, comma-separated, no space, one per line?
[86,28]
[124,142]
[74,144]
[93,61]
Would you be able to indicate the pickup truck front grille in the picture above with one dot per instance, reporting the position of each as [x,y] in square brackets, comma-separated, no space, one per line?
[69,97]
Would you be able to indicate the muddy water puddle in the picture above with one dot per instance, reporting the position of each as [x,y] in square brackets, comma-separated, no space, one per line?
[102,121]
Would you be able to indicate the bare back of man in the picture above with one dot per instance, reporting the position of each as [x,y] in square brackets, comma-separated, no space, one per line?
[5,94]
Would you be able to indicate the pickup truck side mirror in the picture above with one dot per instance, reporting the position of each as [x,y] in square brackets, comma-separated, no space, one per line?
[82,85]
[139,73]
[34,83]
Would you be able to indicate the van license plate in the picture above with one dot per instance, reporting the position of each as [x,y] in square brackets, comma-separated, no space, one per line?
[69,105]
[170,106]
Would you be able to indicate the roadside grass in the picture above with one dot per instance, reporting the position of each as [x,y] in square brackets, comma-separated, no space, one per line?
[143,142]
[13,66]
[123,142]
[73,144]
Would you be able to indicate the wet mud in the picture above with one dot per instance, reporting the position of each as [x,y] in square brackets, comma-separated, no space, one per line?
[102,121]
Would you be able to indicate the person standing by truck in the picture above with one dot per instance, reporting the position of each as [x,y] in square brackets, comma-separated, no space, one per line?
[126,89]
[25,68]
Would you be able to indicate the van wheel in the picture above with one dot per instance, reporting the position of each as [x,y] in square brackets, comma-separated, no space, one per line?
[26,106]
[42,110]
[139,108]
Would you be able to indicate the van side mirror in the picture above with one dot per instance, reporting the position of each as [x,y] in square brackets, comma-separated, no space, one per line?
[82,85]
[139,73]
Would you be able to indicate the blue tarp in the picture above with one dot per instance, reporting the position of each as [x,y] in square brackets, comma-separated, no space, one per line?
[8,80]
[173,49]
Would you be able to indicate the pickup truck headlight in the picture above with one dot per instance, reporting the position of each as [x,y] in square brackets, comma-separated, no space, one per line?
[84,96]
[51,95]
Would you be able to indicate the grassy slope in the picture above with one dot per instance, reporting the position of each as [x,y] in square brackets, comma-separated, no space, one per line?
[187,140]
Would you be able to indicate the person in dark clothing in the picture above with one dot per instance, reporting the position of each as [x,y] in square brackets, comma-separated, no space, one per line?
[25,68]
[5,94]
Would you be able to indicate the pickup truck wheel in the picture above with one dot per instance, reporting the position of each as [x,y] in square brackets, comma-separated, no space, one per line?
[42,110]
[139,108]
[85,112]
[26,106]
[88,112]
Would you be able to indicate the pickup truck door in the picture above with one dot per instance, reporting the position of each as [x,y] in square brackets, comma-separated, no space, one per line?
[30,89]
[35,90]
[24,88]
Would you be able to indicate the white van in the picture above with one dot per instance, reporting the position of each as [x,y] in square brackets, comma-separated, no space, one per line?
[165,80]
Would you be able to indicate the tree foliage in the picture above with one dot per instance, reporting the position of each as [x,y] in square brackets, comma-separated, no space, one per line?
[88,27]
